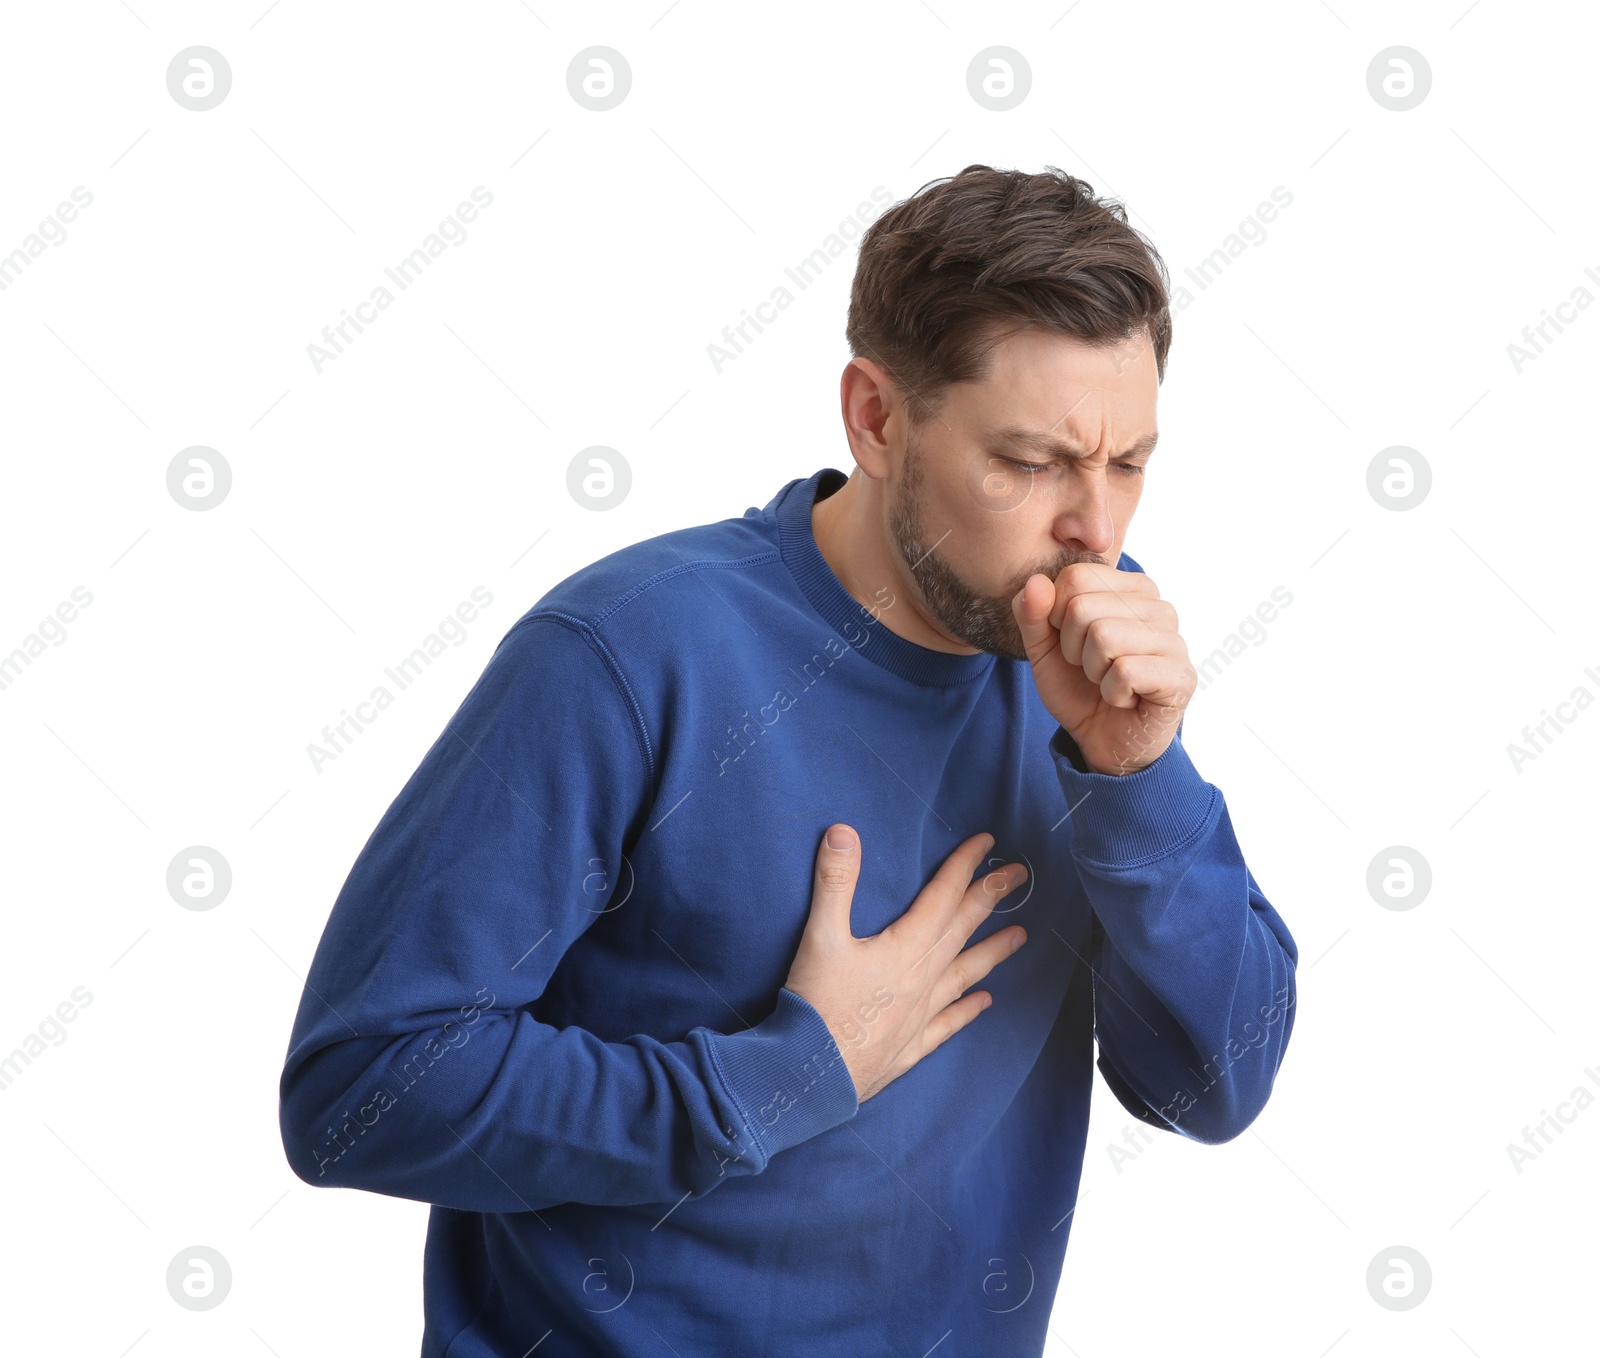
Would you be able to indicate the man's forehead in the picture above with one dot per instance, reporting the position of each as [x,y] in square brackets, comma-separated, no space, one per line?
[1076,423]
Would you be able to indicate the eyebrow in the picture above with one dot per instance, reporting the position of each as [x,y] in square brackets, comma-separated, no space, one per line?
[1060,451]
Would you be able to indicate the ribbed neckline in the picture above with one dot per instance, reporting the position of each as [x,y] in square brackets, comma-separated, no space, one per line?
[815,577]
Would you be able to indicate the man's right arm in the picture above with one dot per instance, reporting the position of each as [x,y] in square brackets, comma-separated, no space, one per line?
[416,1067]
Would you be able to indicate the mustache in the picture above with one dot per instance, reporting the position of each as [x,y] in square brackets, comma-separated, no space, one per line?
[1071,559]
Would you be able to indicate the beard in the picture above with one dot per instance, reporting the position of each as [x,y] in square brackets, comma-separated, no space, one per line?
[984,621]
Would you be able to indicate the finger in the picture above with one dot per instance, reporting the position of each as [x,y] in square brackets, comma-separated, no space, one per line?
[976,962]
[1032,606]
[976,904]
[983,896]
[1154,616]
[1110,638]
[930,914]
[833,883]
[1092,577]
[952,1019]
[1157,680]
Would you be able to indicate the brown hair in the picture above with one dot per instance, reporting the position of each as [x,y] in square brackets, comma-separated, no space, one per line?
[942,273]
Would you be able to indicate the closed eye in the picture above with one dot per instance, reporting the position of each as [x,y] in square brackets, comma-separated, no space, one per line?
[1034,468]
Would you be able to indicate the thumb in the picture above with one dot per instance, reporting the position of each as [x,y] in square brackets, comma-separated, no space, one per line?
[1031,608]
[833,887]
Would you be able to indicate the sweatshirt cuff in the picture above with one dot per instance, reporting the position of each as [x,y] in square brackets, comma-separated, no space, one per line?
[786,1075]
[1127,819]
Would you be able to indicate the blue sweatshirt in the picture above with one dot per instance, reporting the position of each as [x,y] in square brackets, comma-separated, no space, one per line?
[550,997]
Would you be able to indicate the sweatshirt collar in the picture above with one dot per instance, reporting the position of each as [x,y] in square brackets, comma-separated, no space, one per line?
[812,573]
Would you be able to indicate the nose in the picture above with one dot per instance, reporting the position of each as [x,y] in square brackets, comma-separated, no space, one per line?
[1085,522]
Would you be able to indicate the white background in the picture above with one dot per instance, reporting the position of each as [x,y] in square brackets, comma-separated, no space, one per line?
[368,501]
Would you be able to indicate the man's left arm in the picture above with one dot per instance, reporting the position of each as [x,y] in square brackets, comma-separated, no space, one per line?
[1193,969]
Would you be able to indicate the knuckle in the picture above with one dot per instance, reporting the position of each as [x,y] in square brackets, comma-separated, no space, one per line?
[835,877]
[995,885]
[963,923]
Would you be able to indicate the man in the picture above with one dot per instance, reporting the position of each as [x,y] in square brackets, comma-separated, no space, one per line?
[625,982]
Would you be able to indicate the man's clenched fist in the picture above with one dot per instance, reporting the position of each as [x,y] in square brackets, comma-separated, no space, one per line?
[1108,661]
